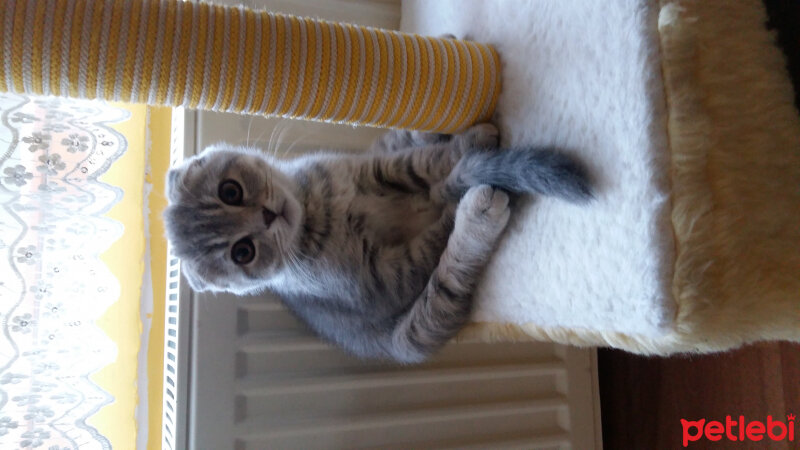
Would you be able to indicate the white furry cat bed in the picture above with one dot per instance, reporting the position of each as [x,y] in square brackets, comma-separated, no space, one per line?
[682,110]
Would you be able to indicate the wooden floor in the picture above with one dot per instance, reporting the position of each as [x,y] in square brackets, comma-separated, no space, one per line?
[784,19]
[643,399]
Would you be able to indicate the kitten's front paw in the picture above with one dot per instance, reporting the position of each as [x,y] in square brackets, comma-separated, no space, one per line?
[398,140]
[483,213]
[482,135]
[422,138]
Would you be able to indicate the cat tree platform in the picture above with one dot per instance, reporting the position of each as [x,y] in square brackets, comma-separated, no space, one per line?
[683,112]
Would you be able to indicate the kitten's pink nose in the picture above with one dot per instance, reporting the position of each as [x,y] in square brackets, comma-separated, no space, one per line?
[269,216]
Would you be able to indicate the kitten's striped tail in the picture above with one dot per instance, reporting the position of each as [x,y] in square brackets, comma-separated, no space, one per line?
[522,171]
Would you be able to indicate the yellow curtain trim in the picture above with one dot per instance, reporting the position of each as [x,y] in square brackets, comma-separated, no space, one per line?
[159,128]
[125,258]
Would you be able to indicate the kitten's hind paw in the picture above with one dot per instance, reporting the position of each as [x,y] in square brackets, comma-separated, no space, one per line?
[483,213]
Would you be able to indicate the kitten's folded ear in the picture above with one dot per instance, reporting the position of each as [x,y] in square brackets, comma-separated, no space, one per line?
[170,186]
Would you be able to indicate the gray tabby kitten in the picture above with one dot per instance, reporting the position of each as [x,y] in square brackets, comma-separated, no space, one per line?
[380,252]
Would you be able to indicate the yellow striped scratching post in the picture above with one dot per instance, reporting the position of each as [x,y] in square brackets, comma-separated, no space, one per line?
[203,56]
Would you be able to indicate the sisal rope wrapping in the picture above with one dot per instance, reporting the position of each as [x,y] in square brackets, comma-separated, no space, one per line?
[204,56]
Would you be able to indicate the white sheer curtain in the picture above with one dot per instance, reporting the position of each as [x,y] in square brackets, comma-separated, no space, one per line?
[53,286]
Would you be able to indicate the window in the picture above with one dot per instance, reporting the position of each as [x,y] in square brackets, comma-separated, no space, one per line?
[81,350]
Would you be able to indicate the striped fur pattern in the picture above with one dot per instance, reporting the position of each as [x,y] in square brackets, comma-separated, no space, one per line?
[224,58]
[378,252]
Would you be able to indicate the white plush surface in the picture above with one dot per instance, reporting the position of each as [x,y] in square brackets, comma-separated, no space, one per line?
[582,75]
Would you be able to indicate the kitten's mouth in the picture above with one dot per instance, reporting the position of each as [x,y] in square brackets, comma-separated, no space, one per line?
[282,212]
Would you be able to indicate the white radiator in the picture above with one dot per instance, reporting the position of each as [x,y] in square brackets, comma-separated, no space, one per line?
[260,380]
[246,375]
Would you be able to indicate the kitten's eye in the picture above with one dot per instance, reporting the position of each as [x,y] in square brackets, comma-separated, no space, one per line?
[230,192]
[243,251]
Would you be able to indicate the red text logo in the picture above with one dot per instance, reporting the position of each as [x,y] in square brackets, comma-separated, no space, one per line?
[738,430]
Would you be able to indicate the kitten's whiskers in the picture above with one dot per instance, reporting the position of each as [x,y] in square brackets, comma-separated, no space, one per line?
[272,144]
[250,124]
[291,146]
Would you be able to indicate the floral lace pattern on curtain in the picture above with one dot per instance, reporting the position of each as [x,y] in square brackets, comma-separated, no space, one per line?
[53,284]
